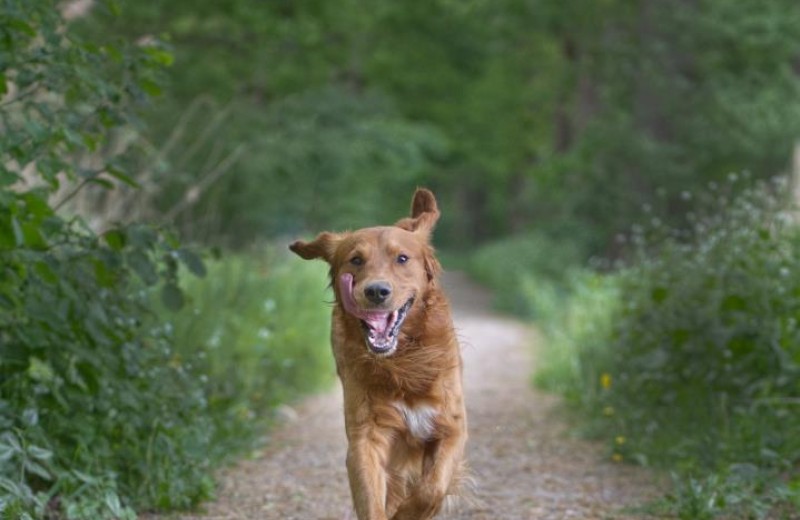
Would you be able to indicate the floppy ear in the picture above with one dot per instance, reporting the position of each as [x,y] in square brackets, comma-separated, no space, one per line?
[324,246]
[424,213]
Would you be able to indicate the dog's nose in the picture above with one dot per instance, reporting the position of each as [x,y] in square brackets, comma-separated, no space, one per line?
[378,292]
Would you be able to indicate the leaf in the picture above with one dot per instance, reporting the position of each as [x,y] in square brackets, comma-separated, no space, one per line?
[114,7]
[85,477]
[105,183]
[115,239]
[659,294]
[38,453]
[7,178]
[6,452]
[733,302]
[37,469]
[150,87]
[141,236]
[39,370]
[121,176]
[20,25]
[45,272]
[192,262]
[160,56]
[19,235]
[142,266]
[172,296]
[12,441]
[33,236]
[113,504]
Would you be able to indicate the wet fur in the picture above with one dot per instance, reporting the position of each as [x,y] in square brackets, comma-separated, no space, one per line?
[393,474]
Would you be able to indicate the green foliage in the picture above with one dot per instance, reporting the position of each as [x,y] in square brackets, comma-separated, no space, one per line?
[689,359]
[324,159]
[579,316]
[559,116]
[523,266]
[668,98]
[99,414]
[253,335]
[742,492]
[89,408]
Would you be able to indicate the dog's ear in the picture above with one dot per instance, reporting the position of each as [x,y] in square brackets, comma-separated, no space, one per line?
[324,246]
[424,213]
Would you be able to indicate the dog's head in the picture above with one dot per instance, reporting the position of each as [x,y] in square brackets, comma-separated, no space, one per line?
[380,274]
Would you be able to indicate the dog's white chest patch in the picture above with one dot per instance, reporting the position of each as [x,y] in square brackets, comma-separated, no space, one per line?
[420,419]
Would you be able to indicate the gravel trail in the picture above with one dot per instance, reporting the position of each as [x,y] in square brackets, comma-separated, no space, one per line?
[526,463]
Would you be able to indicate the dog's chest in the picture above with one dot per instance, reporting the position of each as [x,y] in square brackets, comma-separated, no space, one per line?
[420,419]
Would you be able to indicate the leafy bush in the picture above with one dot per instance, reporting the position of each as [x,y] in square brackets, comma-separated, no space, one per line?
[523,266]
[92,418]
[581,316]
[99,415]
[690,359]
[254,334]
[91,410]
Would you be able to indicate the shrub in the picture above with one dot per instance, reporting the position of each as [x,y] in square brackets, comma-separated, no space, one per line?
[535,258]
[254,334]
[93,417]
[696,367]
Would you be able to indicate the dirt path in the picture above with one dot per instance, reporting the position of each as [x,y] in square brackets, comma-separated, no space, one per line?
[526,464]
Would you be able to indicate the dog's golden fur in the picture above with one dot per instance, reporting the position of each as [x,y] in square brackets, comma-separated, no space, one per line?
[405,419]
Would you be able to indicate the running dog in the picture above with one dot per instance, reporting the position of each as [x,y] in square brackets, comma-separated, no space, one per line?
[399,363]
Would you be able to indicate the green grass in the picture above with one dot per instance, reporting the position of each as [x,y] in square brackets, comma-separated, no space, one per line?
[255,333]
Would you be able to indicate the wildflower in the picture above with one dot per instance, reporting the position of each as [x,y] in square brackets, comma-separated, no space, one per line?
[620,440]
[608,411]
[616,457]
[605,380]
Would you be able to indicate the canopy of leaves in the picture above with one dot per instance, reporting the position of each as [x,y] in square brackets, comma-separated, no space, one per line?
[560,116]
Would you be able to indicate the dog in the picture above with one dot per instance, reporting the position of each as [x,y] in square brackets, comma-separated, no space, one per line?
[399,363]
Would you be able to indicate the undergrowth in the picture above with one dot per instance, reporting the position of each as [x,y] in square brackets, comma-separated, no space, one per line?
[514,265]
[253,334]
[688,360]
[107,407]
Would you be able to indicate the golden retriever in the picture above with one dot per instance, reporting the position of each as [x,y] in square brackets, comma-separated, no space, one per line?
[399,363]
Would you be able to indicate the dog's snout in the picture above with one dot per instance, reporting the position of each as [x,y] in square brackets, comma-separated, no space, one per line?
[378,292]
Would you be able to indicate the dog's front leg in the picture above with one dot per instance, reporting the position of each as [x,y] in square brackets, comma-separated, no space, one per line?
[366,460]
[441,462]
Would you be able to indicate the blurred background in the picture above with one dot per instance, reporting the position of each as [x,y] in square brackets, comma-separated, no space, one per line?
[621,172]
[556,118]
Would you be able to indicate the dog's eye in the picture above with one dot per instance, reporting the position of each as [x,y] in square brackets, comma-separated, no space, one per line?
[402,259]
[357,260]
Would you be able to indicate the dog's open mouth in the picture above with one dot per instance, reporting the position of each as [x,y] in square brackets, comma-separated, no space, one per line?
[381,328]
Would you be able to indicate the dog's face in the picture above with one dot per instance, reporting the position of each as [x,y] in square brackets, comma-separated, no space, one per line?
[381,274]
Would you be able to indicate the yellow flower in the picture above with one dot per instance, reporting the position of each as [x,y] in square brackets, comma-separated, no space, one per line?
[616,457]
[605,380]
[620,440]
[608,411]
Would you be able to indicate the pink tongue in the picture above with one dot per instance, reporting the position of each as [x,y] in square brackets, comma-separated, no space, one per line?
[376,320]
